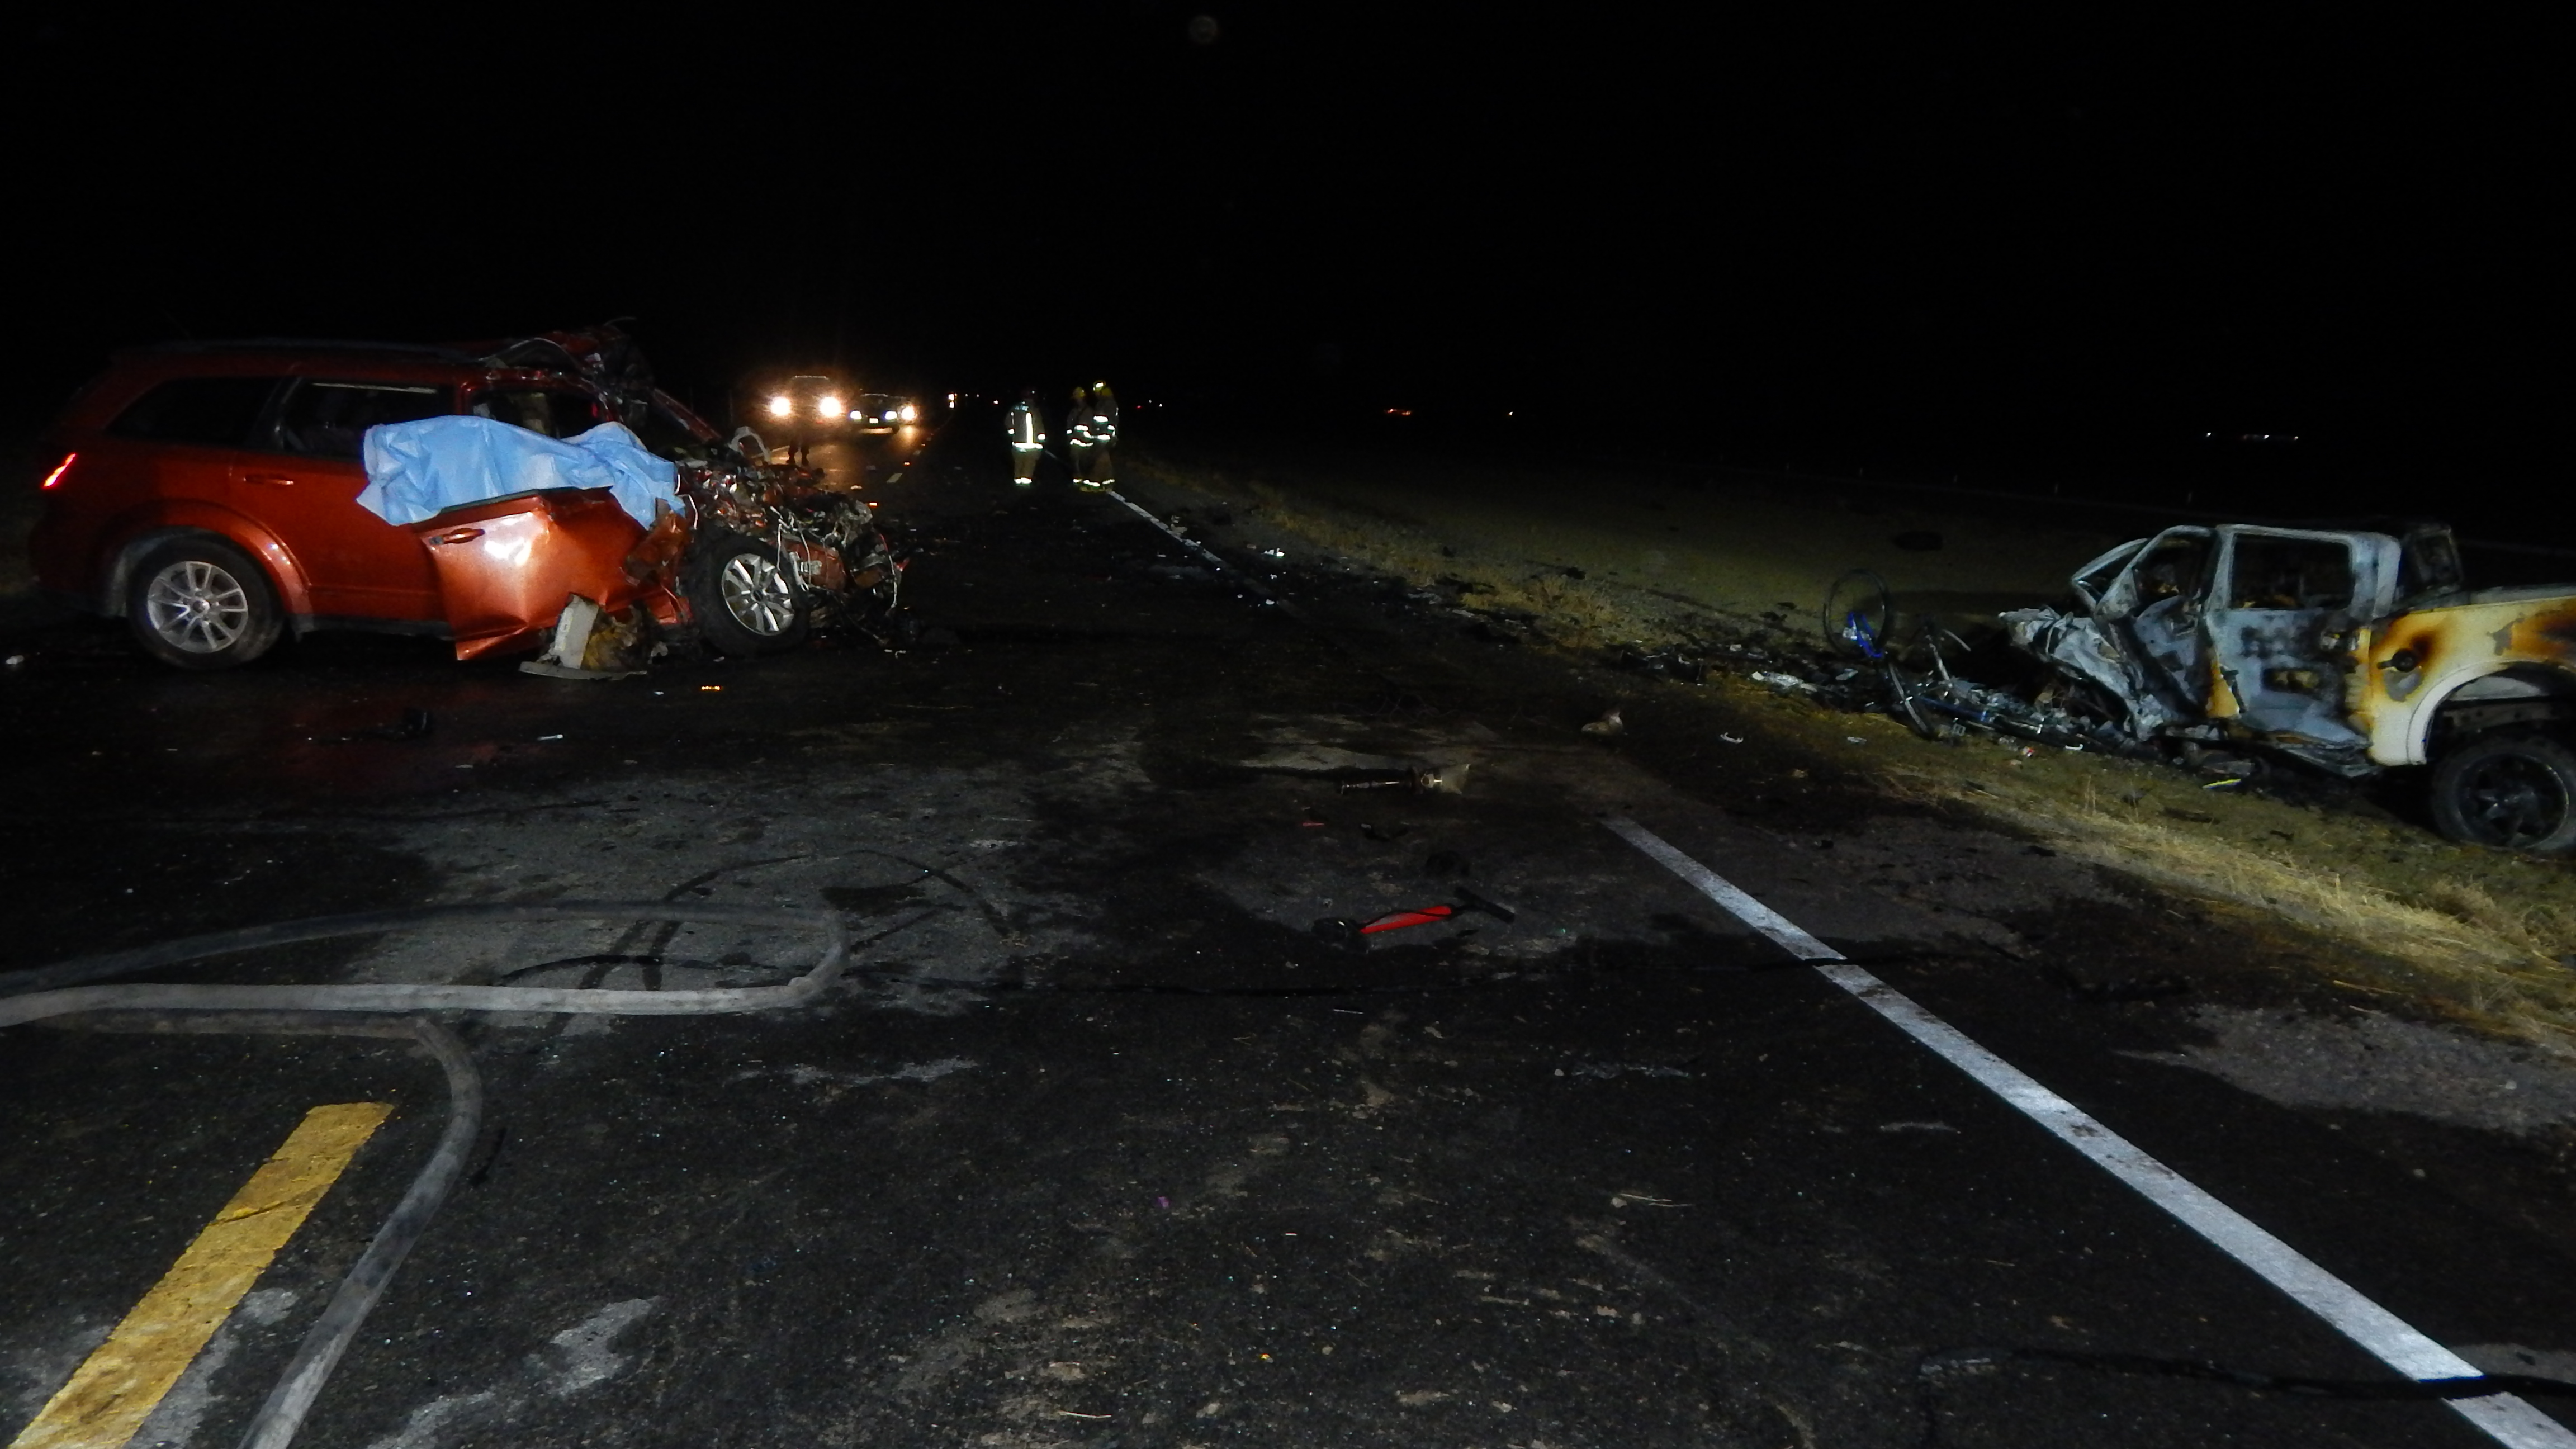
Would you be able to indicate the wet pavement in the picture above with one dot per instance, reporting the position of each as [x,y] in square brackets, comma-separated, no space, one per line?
[1101,1142]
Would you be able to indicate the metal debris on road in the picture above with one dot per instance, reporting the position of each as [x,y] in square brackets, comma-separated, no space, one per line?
[1444,780]
[1788,683]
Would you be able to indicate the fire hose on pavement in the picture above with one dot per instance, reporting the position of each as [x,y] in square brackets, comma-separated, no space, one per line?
[73,987]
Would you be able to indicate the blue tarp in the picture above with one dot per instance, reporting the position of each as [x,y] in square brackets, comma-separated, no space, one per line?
[417,469]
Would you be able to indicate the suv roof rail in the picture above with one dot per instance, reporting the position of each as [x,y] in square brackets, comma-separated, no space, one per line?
[307,344]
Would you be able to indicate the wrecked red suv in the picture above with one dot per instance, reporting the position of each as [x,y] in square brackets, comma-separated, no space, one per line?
[208,495]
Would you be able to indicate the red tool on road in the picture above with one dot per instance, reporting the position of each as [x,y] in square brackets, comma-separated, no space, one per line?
[1349,933]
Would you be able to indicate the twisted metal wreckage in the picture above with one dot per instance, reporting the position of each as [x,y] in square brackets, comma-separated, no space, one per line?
[746,554]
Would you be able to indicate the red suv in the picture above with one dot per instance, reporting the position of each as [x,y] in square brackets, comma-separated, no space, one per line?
[207,494]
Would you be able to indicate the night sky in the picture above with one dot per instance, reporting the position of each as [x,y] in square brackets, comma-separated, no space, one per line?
[1920,243]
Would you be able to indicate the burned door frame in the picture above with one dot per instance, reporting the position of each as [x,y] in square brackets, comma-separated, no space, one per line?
[2281,648]
[2161,635]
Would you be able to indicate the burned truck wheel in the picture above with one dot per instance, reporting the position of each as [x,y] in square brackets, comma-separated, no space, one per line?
[2512,792]
[200,603]
[745,603]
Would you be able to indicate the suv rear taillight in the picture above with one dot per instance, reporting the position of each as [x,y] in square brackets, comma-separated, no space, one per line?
[55,478]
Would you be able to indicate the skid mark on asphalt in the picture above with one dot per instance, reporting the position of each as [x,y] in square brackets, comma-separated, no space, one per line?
[117,1387]
[2506,1419]
[839,1081]
[579,1358]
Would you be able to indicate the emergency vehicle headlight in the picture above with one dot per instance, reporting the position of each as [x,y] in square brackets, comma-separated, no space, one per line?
[829,405]
[911,413]
[780,407]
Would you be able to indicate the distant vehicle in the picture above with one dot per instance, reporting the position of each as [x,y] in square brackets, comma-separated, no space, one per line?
[2355,651]
[879,412]
[805,405]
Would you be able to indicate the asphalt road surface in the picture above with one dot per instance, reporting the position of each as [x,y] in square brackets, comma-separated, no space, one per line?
[1099,1141]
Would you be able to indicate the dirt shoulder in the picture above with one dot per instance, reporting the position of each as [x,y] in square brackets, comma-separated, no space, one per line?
[1726,573]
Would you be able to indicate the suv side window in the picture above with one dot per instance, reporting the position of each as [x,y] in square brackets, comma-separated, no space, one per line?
[216,411]
[329,419]
[550,411]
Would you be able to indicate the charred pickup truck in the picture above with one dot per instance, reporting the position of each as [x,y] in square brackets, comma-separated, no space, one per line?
[217,496]
[2355,651]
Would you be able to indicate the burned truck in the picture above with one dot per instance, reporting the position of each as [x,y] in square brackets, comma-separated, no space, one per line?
[2355,651]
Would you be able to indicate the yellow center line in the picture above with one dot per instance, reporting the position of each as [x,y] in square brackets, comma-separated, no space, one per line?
[116,1388]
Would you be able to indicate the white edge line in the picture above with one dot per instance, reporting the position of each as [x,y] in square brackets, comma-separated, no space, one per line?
[2504,1417]
[1202,550]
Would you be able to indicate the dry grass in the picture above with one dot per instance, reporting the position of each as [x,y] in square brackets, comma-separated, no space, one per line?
[1581,614]
[2432,928]
[2474,935]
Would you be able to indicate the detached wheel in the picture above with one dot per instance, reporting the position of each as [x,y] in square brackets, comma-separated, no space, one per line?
[200,603]
[746,603]
[2512,792]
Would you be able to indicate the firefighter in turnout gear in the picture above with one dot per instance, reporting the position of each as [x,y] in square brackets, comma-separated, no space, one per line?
[1028,437]
[1091,430]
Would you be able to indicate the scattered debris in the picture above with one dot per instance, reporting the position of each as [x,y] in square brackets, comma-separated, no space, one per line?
[1609,724]
[1787,683]
[1671,662]
[2133,988]
[1604,1071]
[415,724]
[1445,780]
[588,644]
